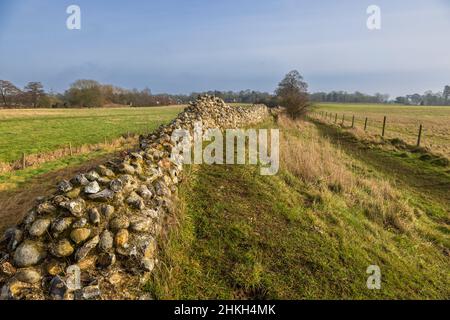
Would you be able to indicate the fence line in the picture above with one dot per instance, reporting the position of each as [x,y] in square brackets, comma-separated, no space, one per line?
[325,115]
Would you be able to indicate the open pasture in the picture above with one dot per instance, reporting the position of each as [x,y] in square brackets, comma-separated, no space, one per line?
[401,122]
[36,131]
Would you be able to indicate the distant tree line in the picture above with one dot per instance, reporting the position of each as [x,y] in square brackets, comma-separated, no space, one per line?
[90,93]
[347,97]
[429,98]
[82,93]
[31,95]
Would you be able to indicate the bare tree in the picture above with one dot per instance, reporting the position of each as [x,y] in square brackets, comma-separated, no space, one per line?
[8,91]
[292,93]
[85,93]
[34,91]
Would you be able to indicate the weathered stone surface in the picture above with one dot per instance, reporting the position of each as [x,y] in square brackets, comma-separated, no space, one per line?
[61,224]
[63,248]
[58,288]
[127,168]
[103,181]
[104,195]
[105,172]
[29,218]
[64,186]
[29,253]
[107,211]
[106,260]
[91,292]
[92,175]
[75,207]
[88,263]
[74,193]
[7,269]
[80,180]
[94,216]
[121,238]
[106,241]
[92,188]
[121,222]
[39,227]
[54,268]
[141,224]
[86,248]
[79,235]
[13,236]
[13,290]
[45,208]
[129,183]
[152,213]
[60,199]
[80,223]
[135,201]
[144,192]
[148,263]
[28,275]
[116,185]
[162,189]
[147,251]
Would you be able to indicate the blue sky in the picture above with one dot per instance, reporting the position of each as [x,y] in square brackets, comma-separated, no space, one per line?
[194,45]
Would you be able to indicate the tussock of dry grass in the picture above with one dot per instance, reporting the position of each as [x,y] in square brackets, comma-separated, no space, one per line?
[311,158]
[324,166]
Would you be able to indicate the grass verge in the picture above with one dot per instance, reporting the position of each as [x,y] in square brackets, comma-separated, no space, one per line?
[297,235]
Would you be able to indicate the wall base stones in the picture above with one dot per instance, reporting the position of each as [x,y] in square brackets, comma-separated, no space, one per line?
[96,237]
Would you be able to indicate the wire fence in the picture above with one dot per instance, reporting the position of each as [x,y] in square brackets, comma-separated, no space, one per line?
[363,122]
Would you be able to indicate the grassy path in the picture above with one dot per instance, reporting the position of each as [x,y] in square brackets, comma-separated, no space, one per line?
[240,235]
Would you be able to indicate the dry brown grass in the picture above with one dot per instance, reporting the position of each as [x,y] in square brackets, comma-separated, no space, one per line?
[325,167]
[312,158]
[402,122]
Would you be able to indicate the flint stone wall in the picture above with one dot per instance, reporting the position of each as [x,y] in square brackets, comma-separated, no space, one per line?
[105,222]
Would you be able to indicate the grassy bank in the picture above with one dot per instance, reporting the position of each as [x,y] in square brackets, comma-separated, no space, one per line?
[311,231]
[401,122]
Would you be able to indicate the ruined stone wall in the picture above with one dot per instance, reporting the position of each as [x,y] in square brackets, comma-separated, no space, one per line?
[105,222]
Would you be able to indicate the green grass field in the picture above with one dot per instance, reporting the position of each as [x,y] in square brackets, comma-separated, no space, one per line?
[402,122]
[35,131]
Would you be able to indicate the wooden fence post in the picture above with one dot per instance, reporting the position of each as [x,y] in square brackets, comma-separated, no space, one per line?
[384,126]
[365,124]
[24,162]
[335,119]
[353,121]
[419,136]
[343,119]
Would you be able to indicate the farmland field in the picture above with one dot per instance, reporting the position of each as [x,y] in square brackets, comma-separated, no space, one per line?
[401,122]
[35,131]
[44,135]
